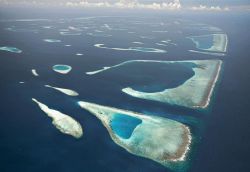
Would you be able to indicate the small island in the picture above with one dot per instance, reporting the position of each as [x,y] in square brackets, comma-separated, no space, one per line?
[63,122]
[160,139]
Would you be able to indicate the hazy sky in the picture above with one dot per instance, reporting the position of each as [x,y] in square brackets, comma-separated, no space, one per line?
[206,2]
[154,4]
[184,2]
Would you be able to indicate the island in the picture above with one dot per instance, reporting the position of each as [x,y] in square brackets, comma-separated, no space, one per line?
[160,139]
[63,122]
[211,43]
[63,69]
[195,92]
[11,49]
[64,90]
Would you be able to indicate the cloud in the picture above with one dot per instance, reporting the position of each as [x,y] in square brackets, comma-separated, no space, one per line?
[210,8]
[122,4]
[170,5]
[129,4]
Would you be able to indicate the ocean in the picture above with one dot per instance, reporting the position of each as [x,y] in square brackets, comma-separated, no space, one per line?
[29,141]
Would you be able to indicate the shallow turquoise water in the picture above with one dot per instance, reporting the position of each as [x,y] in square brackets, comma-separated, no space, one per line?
[205,41]
[124,125]
[61,67]
[11,49]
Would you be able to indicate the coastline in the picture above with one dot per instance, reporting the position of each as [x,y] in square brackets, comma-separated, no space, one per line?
[211,87]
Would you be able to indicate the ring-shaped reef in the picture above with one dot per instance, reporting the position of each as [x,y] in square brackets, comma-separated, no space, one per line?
[212,44]
[63,69]
[195,92]
[160,139]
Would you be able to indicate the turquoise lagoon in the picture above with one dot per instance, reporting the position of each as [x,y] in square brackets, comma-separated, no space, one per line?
[63,69]
[124,125]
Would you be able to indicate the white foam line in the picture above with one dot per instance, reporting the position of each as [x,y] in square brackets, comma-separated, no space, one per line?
[207,53]
[212,87]
[184,155]
[123,63]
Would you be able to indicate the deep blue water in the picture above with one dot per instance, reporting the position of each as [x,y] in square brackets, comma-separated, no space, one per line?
[124,125]
[28,140]
[129,75]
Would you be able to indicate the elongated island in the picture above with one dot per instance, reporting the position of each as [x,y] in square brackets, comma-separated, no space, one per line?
[62,122]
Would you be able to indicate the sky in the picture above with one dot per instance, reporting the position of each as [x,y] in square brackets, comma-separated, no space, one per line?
[209,5]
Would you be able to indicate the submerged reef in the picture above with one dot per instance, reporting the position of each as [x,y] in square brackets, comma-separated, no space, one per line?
[64,90]
[160,139]
[79,54]
[63,122]
[140,49]
[34,72]
[99,34]
[11,49]
[63,69]
[193,93]
[52,40]
[70,33]
[137,42]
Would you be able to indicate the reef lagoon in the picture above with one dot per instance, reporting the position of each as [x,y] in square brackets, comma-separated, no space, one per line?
[211,43]
[124,125]
[160,139]
[193,93]
[63,69]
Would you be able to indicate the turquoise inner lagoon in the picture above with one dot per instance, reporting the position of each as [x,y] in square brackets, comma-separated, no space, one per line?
[124,125]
